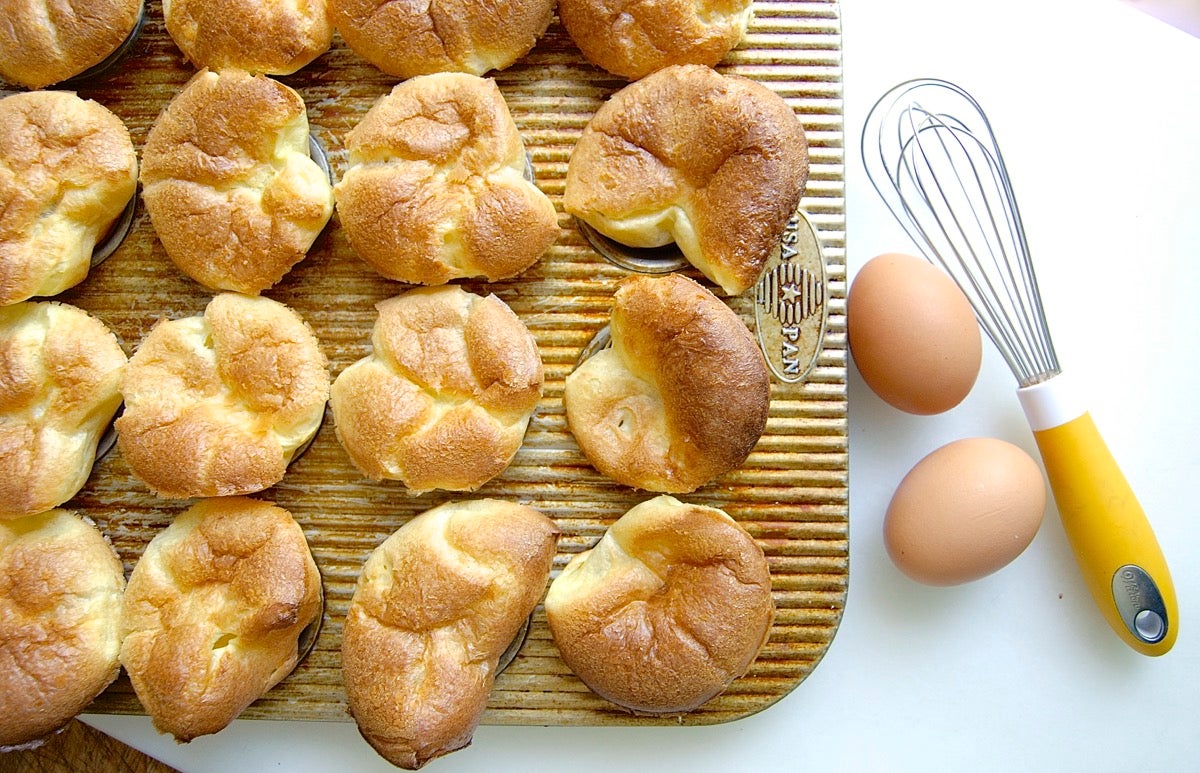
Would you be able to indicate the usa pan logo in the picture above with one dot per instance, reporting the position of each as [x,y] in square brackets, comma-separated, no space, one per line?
[791,302]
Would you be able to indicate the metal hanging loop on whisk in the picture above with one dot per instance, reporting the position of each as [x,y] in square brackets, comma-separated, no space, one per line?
[930,152]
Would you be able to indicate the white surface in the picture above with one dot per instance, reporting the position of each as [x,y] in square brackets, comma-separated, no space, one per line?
[1097,108]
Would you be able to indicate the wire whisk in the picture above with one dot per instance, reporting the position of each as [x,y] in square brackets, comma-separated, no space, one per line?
[930,152]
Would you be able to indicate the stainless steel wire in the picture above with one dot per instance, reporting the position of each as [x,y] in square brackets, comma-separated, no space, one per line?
[930,152]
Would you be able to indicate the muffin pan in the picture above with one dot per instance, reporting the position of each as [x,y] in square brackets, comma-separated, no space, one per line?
[791,495]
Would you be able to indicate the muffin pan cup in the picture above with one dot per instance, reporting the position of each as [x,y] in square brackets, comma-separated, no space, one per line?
[116,234]
[641,260]
[108,63]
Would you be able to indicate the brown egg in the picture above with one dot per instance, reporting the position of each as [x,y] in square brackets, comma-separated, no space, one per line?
[913,334]
[964,511]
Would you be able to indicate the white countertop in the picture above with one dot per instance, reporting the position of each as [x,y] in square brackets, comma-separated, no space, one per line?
[1097,108]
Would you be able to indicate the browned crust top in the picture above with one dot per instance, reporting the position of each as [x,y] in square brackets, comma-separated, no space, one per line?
[410,39]
[60,374]
[435,189]
[633,38]
[445,396]
[213,612]
[435,606]
[60,603]
[43,42]
[671,606]
[680,398]
[726,151]
[228,182]
[276,38]
[216,405]
[67,169]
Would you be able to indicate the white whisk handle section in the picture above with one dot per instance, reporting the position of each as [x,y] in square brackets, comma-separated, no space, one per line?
[1113,542]
[1051,403]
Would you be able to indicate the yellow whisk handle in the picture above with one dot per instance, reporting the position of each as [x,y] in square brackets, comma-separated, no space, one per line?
[1112,539]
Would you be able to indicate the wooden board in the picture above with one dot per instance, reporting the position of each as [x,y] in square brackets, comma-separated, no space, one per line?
[791,495]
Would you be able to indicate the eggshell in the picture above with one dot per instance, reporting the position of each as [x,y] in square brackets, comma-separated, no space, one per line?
[912,334]
[964,511]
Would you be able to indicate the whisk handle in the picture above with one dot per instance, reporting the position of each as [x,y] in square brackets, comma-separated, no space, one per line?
[1111,537]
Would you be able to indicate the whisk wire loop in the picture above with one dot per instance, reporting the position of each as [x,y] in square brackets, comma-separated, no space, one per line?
[975,223]
[942,176]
